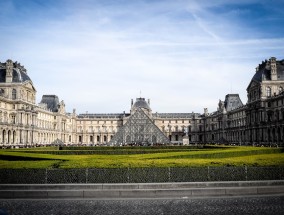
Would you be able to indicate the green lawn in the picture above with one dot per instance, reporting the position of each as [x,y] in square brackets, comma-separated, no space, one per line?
[102,157]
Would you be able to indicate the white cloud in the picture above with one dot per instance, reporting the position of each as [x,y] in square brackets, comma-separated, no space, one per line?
[96,58]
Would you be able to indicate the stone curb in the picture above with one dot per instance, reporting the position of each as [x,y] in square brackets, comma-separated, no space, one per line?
[140,193]
[152,190]
[176,185]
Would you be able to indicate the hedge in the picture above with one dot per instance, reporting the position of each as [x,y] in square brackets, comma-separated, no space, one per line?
[139,175]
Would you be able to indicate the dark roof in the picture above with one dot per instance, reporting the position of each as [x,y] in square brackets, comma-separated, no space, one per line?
[102,115]
[18,76]
[141,103]
[19,72]
[232,101]
[51,101]
[175,115]
[264,73]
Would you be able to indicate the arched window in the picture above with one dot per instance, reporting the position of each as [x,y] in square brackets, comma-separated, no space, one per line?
[3,136]
[14,137]
[9,136]
[268,91]
[14,94]
[280,90]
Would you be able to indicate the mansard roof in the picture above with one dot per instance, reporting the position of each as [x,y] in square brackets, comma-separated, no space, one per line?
[156,115]
[51,101]
[101,115]
[263,72]
[232,101]
[175,115]
[141,103]
[19,73]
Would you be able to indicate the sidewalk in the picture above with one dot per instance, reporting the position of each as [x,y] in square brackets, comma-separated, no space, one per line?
[141,190]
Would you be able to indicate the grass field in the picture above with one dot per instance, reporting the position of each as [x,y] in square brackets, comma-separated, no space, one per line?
[106,157]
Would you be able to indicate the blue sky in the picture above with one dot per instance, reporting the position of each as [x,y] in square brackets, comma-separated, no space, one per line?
[98,54]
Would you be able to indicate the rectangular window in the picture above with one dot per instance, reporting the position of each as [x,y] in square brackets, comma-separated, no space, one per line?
[13,119]
[189,128]
[268,91]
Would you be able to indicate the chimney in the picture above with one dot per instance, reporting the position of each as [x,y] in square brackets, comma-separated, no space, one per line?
[273,68]
[9,71]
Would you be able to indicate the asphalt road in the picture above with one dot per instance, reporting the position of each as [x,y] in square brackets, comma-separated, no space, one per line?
[224,205]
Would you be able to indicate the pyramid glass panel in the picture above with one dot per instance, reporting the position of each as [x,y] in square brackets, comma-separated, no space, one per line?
[139,130]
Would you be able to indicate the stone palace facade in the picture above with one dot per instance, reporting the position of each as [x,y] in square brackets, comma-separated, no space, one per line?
[258,122]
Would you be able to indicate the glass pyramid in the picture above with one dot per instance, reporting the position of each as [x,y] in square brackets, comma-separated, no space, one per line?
[139,130]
